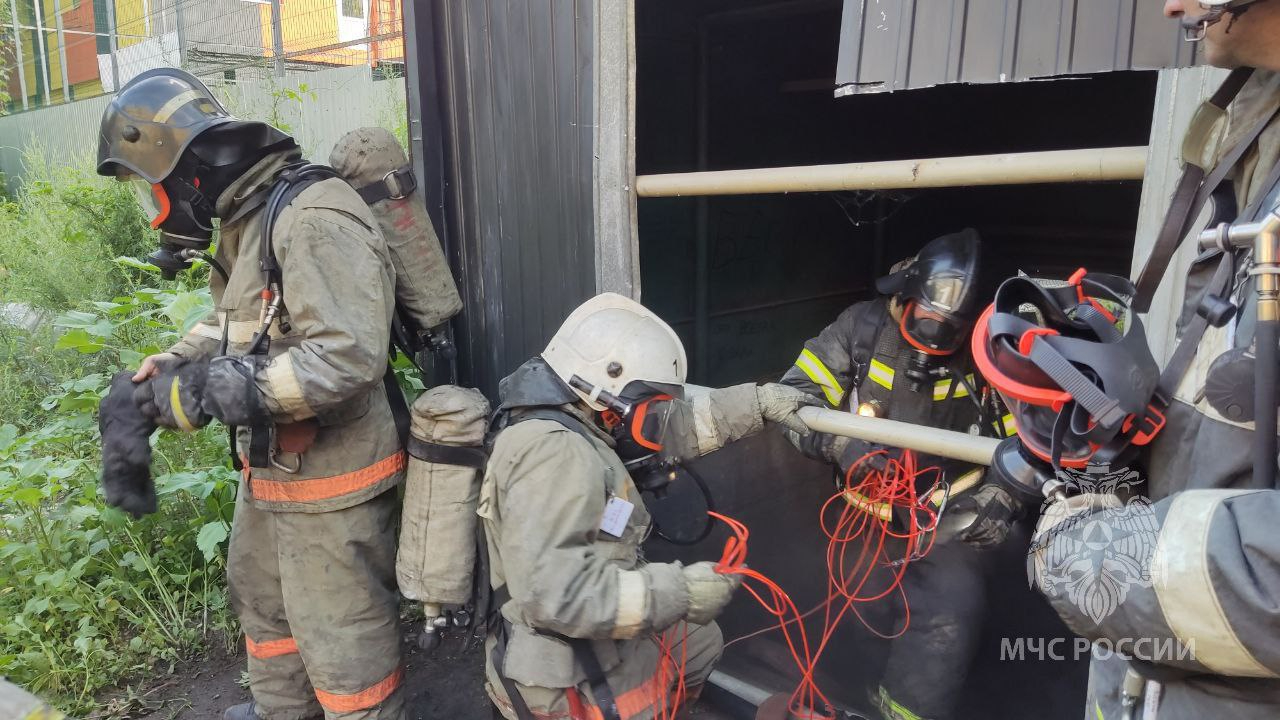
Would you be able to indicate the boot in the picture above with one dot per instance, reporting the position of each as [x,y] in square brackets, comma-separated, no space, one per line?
[243,711]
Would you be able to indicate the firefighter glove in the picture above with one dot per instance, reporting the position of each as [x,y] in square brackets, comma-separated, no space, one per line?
[126,449]
[172,397]
[709,591]
[994,510]
[780,403]
[231,394]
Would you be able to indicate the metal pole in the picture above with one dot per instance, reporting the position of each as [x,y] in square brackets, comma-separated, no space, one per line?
[17,50]
[946,443]
[114,44]
[1266,266]
[277,38]
[62,50]
[38,11]
[1059,166]
[182,35]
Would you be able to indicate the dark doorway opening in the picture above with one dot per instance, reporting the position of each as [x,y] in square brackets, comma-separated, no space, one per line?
[728,84]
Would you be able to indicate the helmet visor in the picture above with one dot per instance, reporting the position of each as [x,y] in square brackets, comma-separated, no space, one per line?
[152,199]
[1034,424]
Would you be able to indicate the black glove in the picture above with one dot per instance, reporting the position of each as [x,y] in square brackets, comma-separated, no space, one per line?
[231,395]
[994,512]
[847,454]
[172,398]
[126,450]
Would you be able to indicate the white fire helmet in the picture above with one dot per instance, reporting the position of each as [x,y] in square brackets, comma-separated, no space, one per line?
[611,341]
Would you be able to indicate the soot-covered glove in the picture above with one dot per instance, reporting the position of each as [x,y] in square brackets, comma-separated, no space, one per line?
[994,512]
[173,397]
[232,395]
[709,591]
[126,449]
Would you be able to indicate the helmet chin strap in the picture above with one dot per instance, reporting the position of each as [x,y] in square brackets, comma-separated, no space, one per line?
[1194,29]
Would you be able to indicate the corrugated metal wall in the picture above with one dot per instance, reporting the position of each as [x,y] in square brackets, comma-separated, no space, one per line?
[901,44]
[511,90]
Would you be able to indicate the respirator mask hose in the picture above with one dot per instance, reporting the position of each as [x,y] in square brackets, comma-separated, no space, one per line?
[176,253]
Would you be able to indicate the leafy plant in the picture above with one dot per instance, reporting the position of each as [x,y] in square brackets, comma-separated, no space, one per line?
[88,596]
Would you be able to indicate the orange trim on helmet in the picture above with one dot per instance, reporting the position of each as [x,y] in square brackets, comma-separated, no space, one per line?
[162,201]
[902,328]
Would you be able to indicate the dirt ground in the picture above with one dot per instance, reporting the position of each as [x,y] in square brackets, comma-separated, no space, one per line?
[448,685]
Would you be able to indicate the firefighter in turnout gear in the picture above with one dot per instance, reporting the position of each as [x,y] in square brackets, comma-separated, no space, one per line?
[903,356]
[1200,629]
[294,359]
[578,611]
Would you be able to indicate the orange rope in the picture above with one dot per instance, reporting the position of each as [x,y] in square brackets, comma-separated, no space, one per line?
[859,526]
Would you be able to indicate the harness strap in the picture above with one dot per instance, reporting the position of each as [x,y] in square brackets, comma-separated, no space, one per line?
[399,407]
[1194,189]
[600,690]
[864,341]
[462,456]
[1185,352]
[395,185]
[502,633]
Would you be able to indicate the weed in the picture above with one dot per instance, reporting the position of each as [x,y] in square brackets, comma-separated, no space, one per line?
[87,595]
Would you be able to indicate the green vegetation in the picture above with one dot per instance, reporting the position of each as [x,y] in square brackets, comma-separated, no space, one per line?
[89,597]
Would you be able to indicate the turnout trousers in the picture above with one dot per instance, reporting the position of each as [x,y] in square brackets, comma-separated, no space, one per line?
[643,684]
[928,664]
[317,600]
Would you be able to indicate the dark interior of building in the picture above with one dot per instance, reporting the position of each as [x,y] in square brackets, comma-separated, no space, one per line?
[729,84]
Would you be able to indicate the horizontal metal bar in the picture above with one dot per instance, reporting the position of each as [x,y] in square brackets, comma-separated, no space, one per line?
[946,443]
[1056,166]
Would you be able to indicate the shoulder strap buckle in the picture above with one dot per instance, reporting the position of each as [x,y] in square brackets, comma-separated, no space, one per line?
[397,184]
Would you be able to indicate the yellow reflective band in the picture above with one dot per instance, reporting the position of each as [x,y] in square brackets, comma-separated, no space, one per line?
[858,501]
[964,484]
[821,376]
[899,711]
[1010,428]
[1097,710]
[175,401]
[881,374]
[941,387]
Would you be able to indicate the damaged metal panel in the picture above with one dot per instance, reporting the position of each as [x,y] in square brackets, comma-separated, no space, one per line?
[888,45]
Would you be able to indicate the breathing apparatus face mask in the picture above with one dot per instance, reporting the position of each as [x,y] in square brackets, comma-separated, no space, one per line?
[653,427]
[1072,364]
[181,211]
[938,296]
